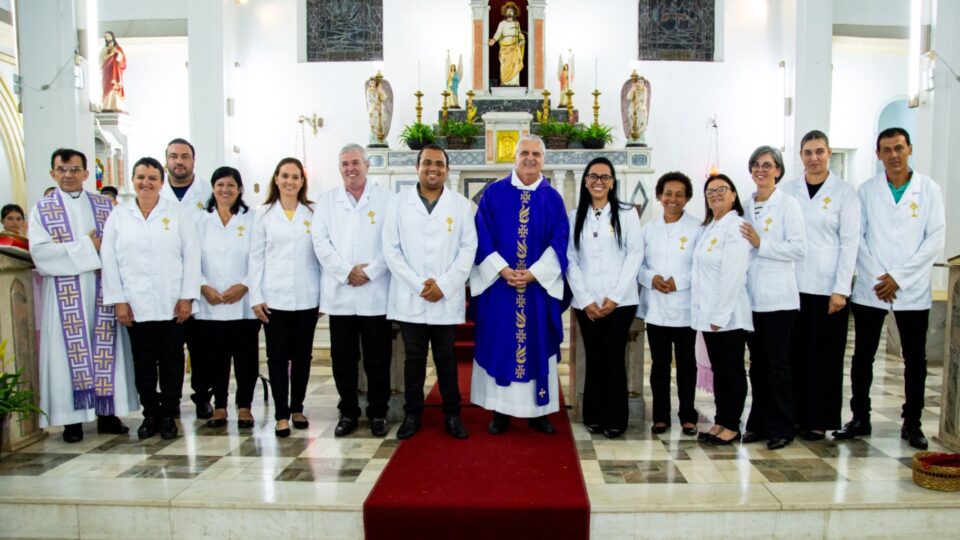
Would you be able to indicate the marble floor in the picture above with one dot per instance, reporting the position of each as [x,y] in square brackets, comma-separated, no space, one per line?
[219,483]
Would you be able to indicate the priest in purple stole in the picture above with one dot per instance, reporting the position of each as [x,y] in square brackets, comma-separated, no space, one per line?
[518,291]
[84,355]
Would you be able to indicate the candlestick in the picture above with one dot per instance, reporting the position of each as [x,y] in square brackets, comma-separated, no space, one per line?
[445,109]
[569,95]
[418,94]
[596,107]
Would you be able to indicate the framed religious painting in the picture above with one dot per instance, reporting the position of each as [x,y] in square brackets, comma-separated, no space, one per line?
[678,30]
[344,30]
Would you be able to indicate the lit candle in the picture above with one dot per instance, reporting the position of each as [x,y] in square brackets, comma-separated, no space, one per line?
[596,71]
[418,74]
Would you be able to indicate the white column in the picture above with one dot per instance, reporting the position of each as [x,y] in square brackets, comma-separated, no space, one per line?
[812,76]
[944,109]
[55,112]
[205,42]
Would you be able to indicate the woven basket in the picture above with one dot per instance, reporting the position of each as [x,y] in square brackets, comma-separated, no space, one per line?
[935,476]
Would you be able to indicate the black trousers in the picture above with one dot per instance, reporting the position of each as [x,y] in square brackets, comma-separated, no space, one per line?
[158,358]
[665,343]
[605,376]
[415,340]
[771,412]
[912,325]
[817,346]
[289,351]
[347,334]
[201,370]
[729,376]
[237,340]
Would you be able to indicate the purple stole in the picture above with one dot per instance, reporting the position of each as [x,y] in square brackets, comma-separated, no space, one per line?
[92,366]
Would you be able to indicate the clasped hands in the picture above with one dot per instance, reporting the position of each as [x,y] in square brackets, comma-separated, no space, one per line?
[517,278]
[886,289]
[431,291]
[229,296]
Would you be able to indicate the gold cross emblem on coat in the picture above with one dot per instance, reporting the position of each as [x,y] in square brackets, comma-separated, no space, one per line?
[166,223]
[306,223]
[766,224]
[449,224]
[370,214]
[683,240]
[826,201]
[240,230]
[914,206]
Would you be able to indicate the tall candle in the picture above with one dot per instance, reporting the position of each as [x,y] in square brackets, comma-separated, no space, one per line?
[418,75]
[596,71]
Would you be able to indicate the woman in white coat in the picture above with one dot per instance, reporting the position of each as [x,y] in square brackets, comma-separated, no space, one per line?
[831,214]
[776,231]
[227,324]
[668,245]
[284,278]
[720,305]
[604,254]
[151,275]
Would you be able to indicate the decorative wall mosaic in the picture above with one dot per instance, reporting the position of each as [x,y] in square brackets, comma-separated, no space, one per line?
[676,30]
[344,30]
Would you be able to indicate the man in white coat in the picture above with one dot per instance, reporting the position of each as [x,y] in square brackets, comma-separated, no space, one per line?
[182,186]
[354,283]
[429,241]
[903,228]
[84,355]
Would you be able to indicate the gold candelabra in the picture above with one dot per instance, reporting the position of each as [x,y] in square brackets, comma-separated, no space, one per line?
[315,122]
[569,95]
[596,107]
[418,94]
[546,104]
[470,94]
[445,109]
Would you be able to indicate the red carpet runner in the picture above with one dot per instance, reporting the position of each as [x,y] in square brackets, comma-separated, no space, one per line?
[521,484]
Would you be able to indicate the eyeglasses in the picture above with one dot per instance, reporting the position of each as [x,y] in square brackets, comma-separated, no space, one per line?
[605,178]
[722,190]
[765,166]
[64,170]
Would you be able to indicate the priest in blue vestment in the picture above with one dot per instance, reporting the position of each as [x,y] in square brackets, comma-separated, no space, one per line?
[518,291]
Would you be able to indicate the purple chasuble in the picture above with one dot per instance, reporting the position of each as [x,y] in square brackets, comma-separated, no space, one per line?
[518,330]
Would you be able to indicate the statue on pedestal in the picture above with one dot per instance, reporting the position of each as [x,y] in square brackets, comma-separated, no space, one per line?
[454,76]
[113,62]
[379,97]
[565,76]
[512,45]
[635,108]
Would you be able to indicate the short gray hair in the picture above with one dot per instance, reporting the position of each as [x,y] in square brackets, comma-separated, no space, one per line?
[350,147]
[774,154]
[530,137]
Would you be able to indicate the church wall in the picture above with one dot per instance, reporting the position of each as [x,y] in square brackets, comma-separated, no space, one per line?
[867,75]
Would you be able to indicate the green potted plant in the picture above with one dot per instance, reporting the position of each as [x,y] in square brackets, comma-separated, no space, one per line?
[556,135]
[595,136]
[460,133]
[13,397]
[417,135]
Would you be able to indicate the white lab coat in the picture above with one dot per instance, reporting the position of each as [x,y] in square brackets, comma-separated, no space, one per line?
[601,268]
[668,252]
[282,271]
[832,220]
[772,280]
[150,263]
[418,245]
[901,239]
[194,199]
[348,235]
[76,258]
[224,254]
[718,284]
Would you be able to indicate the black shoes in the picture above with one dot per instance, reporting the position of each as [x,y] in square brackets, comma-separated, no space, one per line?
[204,411]
[454,426]
[378,427]
[612,433]
[499,424]
[73,433]
[717,441]
[854,428]
[219,421]
[813,435]
[301,424]
[168,428]
[345,426]
[593,429]
[543,425]
[777,443]
[111,425]
[148,428]
[244,423]
[658,429]
[705,436]
[690,430]
[409,427]
[282,433]
[915,437]
[751,437]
